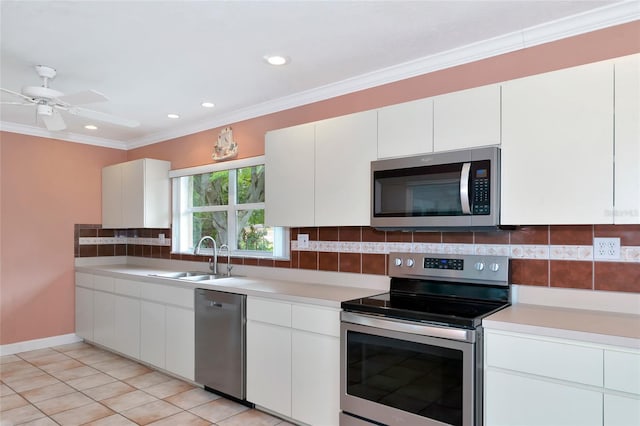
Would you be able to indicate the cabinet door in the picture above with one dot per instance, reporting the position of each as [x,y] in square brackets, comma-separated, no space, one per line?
[269,366]
[621,411]
[180,341]
[467,119]
[315,378]
[112,197]
[103,318]
[627,135]
[516,400]
[127,326]
[345,147]
[289,176]
[557,147]
[405,129]
[133,180]
[152,333]
[84,313]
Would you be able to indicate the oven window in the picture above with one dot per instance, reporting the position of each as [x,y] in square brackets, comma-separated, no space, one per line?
[421,379]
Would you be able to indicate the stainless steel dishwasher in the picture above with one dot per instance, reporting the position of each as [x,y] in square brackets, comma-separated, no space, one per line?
[220,362]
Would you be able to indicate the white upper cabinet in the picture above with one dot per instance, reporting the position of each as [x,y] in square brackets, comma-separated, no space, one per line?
[405,129]
[345,147]
[317,174]
[467,119]
[135,194]
[557,147]
[627,136]
[289,176]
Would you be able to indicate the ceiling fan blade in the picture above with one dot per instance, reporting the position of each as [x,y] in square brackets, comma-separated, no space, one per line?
[17,103]
[11,92]
[104,117]
[53,122]
[85,97]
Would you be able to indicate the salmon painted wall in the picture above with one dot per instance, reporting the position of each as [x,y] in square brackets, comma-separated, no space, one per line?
[196,149]
[46,186]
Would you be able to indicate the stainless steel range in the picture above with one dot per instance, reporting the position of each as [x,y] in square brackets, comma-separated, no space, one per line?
[413,356]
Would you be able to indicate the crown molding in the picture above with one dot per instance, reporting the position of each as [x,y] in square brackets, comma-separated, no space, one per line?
[608,16]
[64,136]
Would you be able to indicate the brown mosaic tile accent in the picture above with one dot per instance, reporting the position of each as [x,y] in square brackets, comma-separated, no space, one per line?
[85,232]
[373,235]
[88,251]
[266,262]
[295,259]
[374,264]
[120,249]
[106,250]
[351,262]
[399,237]
[327,261]
[494,237]
[530,272]
[571,235]
[571,274]
[282,264]
[350,233]
[617,276]
[328,233]
[457,237]
[251,261]
[308,260]
[629,234]
[427,237]
[530,235]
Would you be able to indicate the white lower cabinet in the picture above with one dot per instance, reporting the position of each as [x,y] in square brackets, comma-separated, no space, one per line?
[536,380]
[293,356]
[154,323]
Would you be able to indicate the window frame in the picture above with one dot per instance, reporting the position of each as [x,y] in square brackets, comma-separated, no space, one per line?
[180,201]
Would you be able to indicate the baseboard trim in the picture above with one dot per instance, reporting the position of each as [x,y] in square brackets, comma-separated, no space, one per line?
[32,345]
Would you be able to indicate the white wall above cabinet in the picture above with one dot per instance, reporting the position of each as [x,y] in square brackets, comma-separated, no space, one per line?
[467,119]
[135,194]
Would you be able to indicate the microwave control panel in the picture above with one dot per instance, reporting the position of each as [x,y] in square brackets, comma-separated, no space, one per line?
[480,184]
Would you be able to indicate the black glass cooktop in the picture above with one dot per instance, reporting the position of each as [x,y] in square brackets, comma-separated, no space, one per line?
[443,310]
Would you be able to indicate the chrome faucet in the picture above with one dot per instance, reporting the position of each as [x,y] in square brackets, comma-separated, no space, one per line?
[229,267]
[213,263]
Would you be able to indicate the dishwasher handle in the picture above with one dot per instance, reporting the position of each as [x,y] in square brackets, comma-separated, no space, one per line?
[213,304]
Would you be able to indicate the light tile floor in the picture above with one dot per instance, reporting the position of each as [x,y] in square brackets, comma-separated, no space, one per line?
[80,384]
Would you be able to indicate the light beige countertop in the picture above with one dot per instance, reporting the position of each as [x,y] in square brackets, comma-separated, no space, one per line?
[293,291]
[600,327]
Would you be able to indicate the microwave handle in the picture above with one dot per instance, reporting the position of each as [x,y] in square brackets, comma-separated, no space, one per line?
[464,188]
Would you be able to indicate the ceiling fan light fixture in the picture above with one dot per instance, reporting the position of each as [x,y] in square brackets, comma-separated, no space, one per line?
[276,60]
[208,104]
[44,109]
[174,116]
[91,127]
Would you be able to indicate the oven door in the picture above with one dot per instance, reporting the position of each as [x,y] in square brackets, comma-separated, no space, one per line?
[404,373]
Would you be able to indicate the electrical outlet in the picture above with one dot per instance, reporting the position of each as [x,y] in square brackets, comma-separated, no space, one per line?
[303,241]
[606,248]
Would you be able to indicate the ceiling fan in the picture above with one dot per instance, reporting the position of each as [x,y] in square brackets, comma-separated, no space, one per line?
[50,102]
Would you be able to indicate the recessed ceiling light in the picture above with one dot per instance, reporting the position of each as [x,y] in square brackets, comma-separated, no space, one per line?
[91,127]
[208,104]
[173,116]
[276,59]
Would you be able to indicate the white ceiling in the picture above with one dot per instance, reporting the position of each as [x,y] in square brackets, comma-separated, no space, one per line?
[151,58]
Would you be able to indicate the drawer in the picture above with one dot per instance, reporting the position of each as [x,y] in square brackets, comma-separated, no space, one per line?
[269,311]
[622,371]
[167,294]
[128,288]
[316,320]
[103,283]
[552,359]
[84,280]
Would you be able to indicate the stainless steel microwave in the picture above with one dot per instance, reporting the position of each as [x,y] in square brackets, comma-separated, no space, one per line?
[440,191]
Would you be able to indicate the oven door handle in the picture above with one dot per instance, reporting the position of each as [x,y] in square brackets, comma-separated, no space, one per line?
[464,188]
[411,327]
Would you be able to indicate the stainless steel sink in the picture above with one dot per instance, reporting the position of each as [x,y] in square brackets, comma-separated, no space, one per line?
[189,276]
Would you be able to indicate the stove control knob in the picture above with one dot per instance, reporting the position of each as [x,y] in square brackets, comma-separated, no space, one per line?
[479,266]
[397,261]
[410,263]
[494,267]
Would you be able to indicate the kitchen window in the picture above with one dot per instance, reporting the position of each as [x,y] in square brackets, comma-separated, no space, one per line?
[225,201]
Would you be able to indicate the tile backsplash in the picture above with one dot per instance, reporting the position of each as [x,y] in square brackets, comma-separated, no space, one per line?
[550,256]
